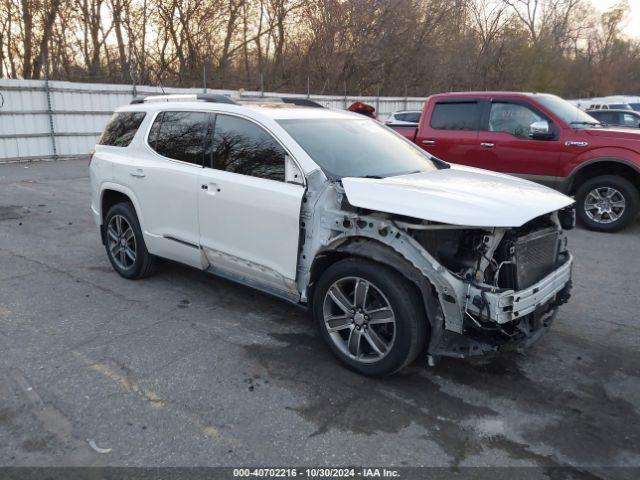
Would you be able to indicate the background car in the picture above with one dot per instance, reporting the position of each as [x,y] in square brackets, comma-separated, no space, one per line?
[610,106]
[404,117]
[617,118]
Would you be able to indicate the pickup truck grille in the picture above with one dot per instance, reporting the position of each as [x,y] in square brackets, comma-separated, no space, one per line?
[536,256]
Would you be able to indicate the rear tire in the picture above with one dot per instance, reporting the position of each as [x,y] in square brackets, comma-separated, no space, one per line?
[353,304]
[607,203]
[125,245]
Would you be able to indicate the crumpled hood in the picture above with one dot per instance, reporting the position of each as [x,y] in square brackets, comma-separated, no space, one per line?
[458,195]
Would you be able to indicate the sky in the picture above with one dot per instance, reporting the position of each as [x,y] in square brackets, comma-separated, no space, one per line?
[632,27]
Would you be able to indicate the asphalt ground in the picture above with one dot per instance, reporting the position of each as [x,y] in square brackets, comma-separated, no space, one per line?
[184,369]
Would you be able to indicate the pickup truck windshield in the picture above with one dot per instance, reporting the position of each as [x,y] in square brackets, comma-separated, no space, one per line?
[567,112]
[356,148]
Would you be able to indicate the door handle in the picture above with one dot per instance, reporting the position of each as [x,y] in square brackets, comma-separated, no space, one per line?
[137,173]
[211,188]
[487,144]
[428,142]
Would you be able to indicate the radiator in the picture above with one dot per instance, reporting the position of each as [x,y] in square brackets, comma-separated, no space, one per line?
[536,255]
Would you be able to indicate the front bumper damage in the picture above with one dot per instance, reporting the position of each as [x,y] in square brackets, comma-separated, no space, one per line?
[516,319]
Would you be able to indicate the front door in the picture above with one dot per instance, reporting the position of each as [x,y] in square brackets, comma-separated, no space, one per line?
[249,216]
[504,144]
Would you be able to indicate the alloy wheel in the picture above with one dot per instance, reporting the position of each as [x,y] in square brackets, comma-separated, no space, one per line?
[122,242]
[604,205]
[359,319]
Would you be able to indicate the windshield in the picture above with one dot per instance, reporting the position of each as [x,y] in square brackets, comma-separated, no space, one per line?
[567,112]
[356,147]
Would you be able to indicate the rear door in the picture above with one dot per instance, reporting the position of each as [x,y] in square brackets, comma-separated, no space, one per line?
[451,132]
[249,215]
[165,180]
[505,145]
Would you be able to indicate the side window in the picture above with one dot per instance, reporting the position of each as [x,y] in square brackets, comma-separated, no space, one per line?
[629,120]
[412,117]
[241,146]
[512,118]
[456,116]
[180,135]
[121,129]
[607,117]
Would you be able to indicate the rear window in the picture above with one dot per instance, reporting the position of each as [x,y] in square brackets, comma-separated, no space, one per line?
[121,129]
[456,116]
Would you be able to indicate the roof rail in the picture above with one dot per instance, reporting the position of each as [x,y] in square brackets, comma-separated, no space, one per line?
[302,102]
[215,98]
[205,97]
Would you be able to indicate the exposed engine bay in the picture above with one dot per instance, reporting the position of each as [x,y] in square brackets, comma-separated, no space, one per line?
[497,262]
[484,288]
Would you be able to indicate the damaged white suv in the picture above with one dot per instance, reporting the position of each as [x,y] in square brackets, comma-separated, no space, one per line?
[396,252]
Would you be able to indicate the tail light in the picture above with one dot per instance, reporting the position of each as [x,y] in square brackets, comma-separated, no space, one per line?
[91,152]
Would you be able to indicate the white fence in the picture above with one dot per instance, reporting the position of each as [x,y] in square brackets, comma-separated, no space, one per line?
[43,120]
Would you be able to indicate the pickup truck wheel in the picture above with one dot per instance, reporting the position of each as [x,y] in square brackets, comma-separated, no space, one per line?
[607,203]
[125,245]
[370,316]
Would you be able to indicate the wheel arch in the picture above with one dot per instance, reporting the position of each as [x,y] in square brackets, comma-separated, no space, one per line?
[603,166]
[373,250]
[112,194]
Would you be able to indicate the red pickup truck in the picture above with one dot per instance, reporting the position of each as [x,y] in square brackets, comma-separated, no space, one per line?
[542,138]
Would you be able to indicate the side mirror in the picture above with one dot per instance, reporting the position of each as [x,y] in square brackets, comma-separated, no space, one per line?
[292,173]
[540,130]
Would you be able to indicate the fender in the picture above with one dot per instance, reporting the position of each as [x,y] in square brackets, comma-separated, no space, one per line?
[379,252]
[107,185]
[614,154]
[624,157]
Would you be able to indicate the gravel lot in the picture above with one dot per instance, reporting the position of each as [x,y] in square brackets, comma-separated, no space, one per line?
[185,369]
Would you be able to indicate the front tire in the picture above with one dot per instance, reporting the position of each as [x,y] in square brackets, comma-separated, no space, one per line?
[125,245]
[371,317]
[607,203]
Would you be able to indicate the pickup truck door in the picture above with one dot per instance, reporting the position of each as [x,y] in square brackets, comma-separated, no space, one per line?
[504,144]
[449,130]
[249,216]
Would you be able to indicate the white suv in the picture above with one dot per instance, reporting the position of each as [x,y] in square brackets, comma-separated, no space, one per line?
[395,251]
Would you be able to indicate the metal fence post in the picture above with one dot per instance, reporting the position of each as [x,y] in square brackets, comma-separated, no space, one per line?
[52,132]
[345,94]
[405,96]
[204,78]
